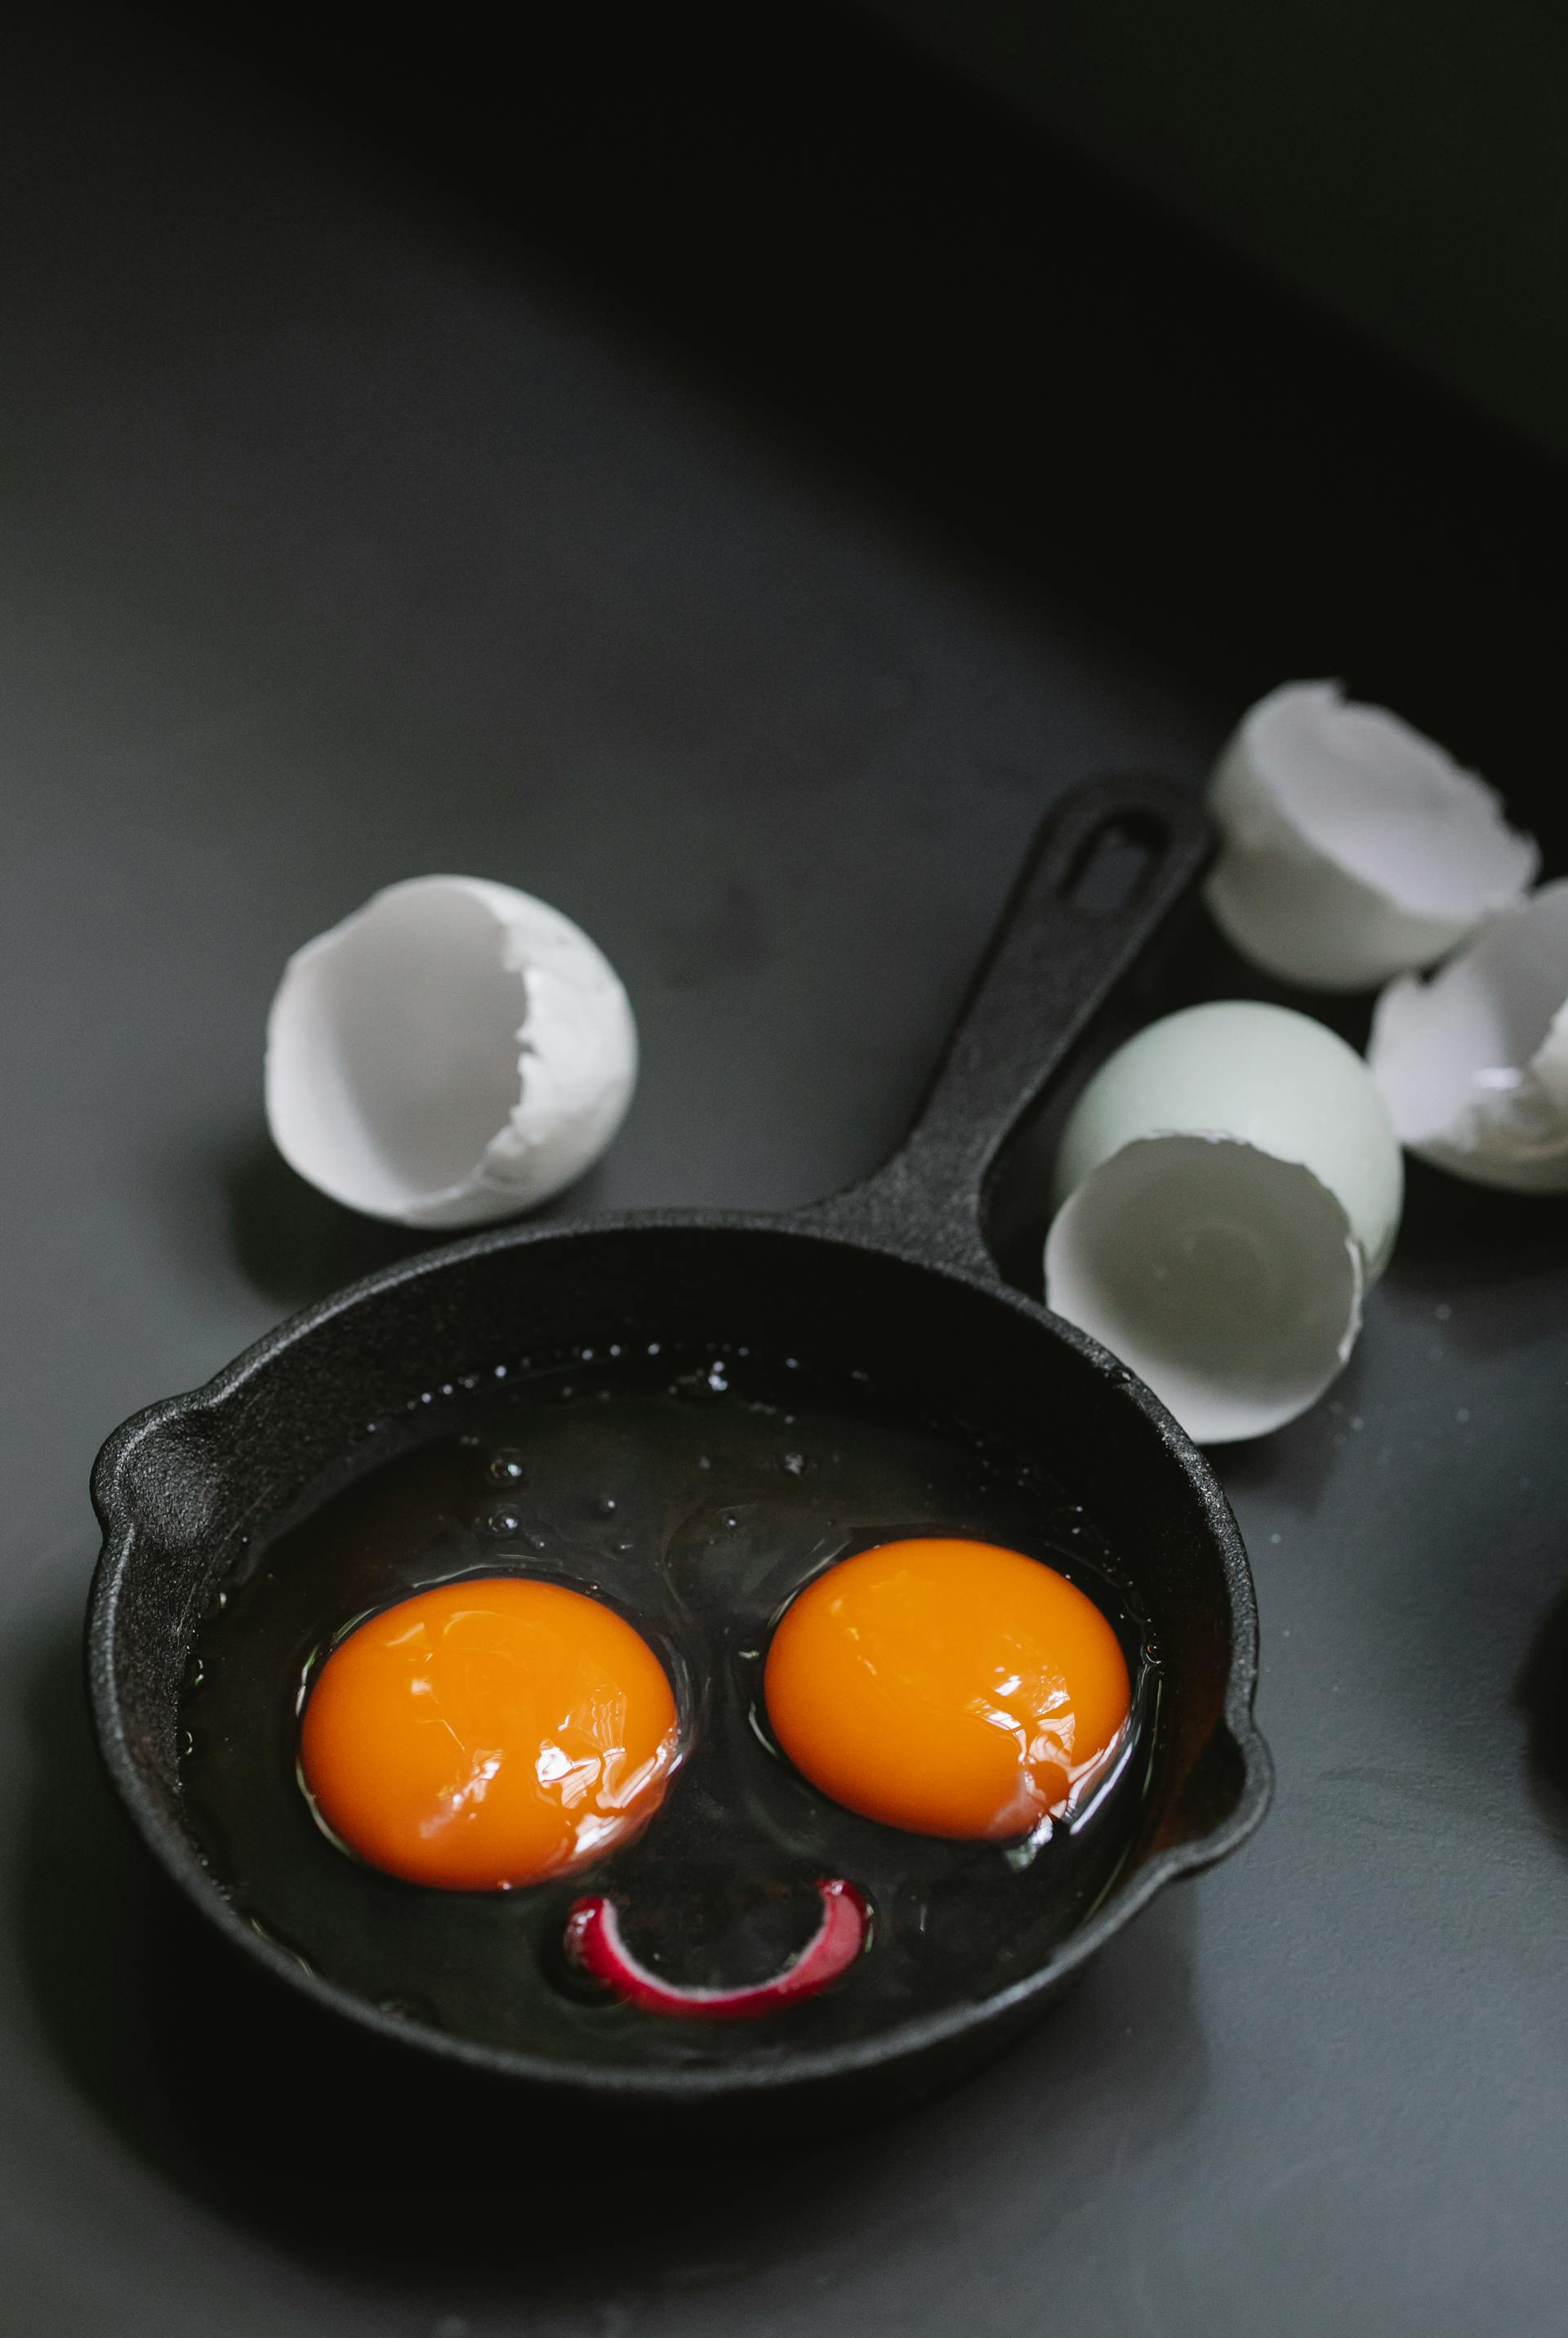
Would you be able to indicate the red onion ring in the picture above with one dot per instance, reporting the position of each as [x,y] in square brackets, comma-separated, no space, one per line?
[594,1942]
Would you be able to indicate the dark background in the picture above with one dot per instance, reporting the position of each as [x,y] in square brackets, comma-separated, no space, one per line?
[1400,161]
[727,481]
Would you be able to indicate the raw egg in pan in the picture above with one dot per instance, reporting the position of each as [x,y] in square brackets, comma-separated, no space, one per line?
[489,1733]
[946,1686]
[681,1525]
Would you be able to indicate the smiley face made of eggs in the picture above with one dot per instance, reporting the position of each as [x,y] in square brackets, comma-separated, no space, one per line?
[498,1731]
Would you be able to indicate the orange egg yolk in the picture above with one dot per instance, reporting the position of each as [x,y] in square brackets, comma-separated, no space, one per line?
[490,1732]
[949,1687]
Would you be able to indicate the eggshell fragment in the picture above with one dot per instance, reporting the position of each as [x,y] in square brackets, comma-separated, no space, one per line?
[454,1052]
[1473,1064]
[1229,1188]
[1353,848]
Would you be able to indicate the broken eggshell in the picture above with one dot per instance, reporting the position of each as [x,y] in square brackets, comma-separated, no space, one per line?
[1228,1187]
[454,1052]
[1473,1064]
[1353,848]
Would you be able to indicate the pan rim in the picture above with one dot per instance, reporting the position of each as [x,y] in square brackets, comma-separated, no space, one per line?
[901,2042]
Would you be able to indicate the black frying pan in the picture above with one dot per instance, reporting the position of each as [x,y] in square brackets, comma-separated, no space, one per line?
[893,1276]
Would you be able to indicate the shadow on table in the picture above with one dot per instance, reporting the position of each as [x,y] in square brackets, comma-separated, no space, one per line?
[290,1242]
[1543,1695]
[390,2172]
[1455,1237]
[293,1245]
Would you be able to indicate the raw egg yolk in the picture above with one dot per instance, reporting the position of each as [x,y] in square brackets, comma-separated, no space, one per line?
[490,1732]
[952,1688]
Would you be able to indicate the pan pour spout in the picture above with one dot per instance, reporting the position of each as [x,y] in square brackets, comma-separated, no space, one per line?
[596,1944]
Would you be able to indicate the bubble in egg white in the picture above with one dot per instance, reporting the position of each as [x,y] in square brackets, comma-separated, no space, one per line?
[1353,848]
[1229,1188]
[454,1052]
[1473,1064]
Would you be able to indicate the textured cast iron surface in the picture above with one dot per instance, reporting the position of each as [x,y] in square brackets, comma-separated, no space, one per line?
[900,1266]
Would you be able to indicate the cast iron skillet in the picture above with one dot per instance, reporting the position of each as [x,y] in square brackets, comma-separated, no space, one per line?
[901,1258]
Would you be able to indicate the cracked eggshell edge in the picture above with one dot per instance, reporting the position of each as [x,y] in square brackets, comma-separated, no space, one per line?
[1267,1075]
[1494,1114]
[577,1062]
[1250,1393]
[1287,900]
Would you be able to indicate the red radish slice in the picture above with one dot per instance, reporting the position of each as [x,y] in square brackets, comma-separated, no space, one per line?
[594,1941]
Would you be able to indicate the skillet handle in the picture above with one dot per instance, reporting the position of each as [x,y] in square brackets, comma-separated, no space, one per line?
[1112,862]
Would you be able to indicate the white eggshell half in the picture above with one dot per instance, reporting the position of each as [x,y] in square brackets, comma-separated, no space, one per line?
[1353,848]
[454,1052]
[1228,1187]
[1473,1064]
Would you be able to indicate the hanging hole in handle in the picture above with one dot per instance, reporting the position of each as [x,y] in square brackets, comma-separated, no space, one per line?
[1112,868]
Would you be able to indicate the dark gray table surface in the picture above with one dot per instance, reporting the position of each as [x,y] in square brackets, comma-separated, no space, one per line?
[339,546]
